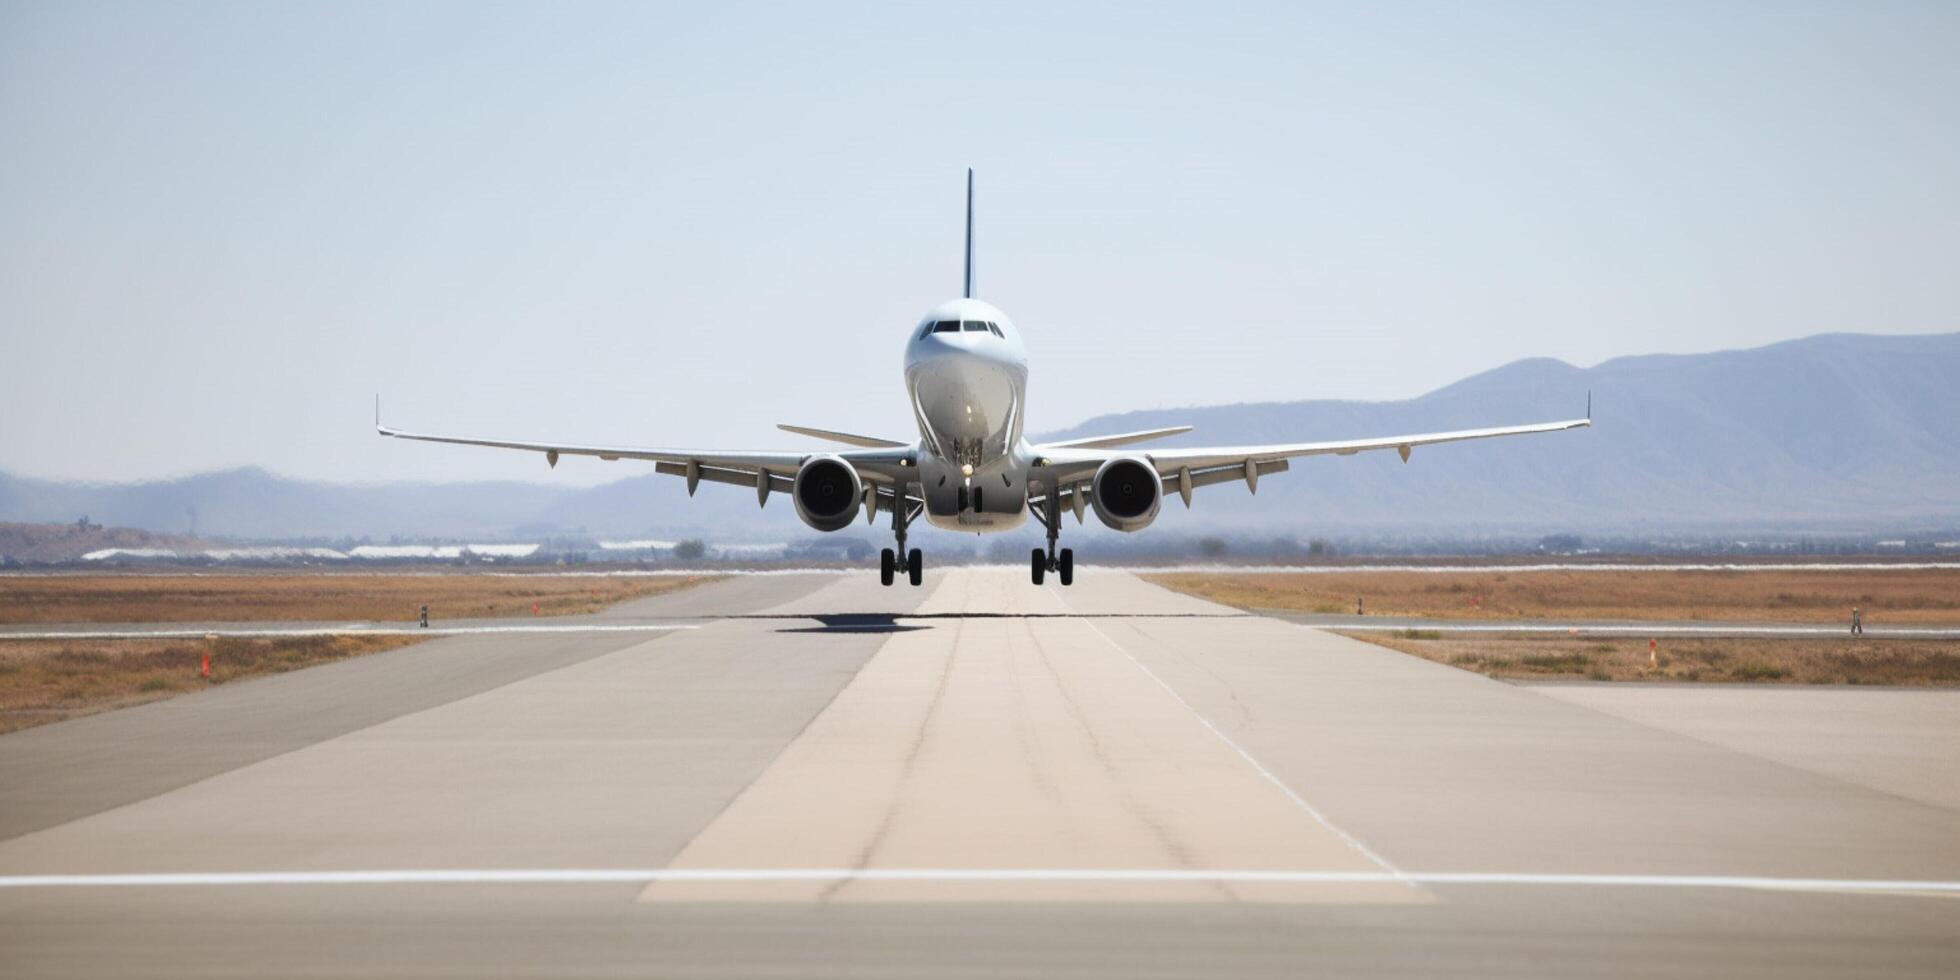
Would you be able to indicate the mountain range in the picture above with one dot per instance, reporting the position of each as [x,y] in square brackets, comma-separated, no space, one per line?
[1834,432]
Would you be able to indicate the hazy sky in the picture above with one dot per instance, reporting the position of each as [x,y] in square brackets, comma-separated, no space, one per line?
[224,227]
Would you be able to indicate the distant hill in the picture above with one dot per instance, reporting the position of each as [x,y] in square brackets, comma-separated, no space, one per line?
[251,503]
[1836,432]
[69,542]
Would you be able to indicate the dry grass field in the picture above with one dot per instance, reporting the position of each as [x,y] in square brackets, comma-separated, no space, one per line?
[1750,660]
[242,598]
[1890,597]
[44,681]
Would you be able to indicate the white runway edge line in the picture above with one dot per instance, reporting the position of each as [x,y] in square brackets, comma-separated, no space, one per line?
[344,631]
[1920,566]
[645,876]
[1636,629]
[1298,800]
[1901,566]
[315,572]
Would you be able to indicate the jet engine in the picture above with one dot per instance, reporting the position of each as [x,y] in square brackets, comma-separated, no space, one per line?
[1126,493]
[828,493]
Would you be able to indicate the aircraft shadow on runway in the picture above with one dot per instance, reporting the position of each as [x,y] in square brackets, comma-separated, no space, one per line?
[885,622]
[847,623]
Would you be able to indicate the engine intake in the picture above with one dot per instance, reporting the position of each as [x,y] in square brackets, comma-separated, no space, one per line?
[1126,493]
[828,493]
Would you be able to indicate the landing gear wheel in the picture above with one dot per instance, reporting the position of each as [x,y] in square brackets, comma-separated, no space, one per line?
[887,566]
[1067,567]
[1040,565]
[915,567]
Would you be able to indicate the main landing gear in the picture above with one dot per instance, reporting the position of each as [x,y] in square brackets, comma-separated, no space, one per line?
[891,562]
[1062,563]
[889,565]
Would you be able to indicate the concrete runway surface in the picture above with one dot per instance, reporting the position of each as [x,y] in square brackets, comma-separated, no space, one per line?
[976,778]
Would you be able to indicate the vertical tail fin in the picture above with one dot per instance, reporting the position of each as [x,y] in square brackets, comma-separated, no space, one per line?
[968,292]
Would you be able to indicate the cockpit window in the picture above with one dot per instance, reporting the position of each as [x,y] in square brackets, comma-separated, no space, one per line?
[962,326]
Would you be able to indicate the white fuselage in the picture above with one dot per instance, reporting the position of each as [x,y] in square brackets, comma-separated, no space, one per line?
[969,390]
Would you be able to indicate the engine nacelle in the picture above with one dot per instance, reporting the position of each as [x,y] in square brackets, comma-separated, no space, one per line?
[1126,493]
[828,493]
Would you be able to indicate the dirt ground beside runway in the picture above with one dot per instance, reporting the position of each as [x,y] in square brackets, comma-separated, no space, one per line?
[1892,597]
[315,597]
[44,681]
[1777,660]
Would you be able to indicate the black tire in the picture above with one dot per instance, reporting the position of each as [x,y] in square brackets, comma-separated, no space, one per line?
[887,566]
[1066,569]
[915,567]
[1040,565]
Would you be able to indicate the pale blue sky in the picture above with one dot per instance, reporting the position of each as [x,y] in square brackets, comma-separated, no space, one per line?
[223,227]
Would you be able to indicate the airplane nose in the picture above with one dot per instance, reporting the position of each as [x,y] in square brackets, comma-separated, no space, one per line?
[969,346]
[964,397]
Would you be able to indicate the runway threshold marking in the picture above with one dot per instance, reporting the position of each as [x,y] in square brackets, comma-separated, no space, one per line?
[270,632]
[642,876]
[1259,767]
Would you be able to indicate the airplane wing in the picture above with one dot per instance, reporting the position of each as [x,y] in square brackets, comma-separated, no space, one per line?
[763,470]
[847,438]
[1185,469]
[1120,439]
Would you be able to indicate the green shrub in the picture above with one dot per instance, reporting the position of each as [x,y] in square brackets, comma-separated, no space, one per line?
[1556,661]
[1758,672]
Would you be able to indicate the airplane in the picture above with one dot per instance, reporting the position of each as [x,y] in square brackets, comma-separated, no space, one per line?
[971,469]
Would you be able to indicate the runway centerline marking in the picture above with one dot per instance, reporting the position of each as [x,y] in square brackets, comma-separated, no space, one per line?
[641,876]
[1014,738]
[1280,784]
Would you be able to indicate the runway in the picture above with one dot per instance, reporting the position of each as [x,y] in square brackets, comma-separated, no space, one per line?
[976,778]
